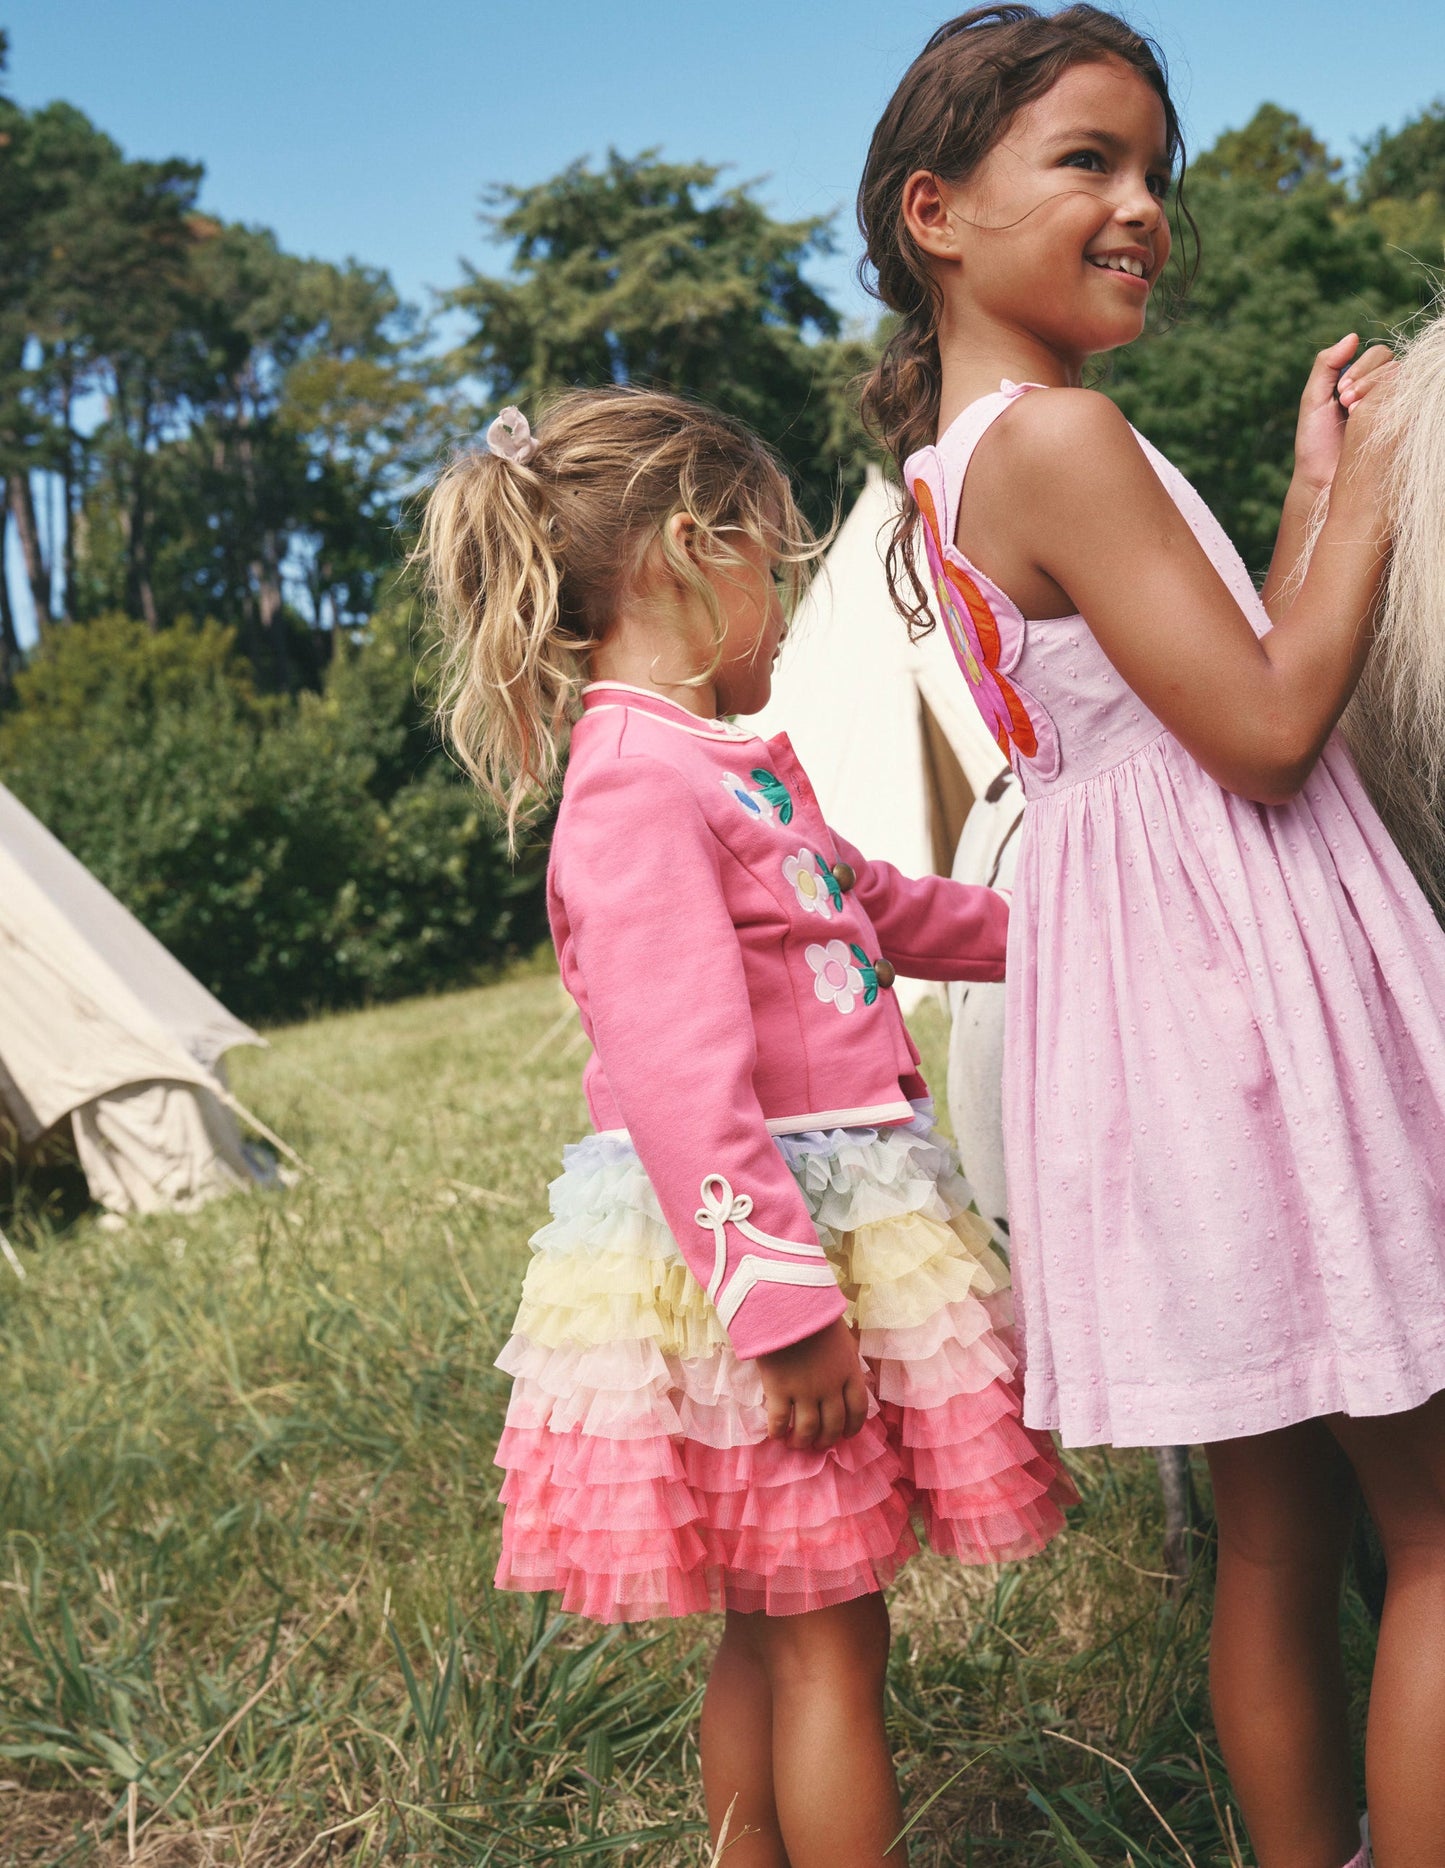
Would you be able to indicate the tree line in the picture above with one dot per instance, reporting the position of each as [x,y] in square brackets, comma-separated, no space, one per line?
[208,446]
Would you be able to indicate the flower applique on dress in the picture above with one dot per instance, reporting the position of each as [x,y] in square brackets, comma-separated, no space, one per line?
[813,884]
[987,641]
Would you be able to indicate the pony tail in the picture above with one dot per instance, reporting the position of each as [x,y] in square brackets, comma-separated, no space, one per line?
[510,664]
[1395,723]
[900,403]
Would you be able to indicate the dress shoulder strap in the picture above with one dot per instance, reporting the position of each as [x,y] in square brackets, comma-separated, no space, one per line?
[956,446]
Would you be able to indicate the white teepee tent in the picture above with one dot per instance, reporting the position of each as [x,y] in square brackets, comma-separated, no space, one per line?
[99,1023]
[885,727]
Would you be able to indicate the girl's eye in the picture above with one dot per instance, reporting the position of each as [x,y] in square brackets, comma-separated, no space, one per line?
[1159,186]
[1085,159]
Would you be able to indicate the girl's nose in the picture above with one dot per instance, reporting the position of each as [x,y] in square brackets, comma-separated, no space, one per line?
[1141,207]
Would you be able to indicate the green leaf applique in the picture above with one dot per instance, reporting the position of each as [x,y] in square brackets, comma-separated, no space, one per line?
[775,791]
[835,892]
[869,972]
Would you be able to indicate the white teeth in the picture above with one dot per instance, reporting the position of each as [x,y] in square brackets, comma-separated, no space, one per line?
[1119,262]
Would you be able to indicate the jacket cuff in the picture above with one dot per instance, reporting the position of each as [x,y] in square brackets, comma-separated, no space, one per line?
[767,1290]
[775,1316]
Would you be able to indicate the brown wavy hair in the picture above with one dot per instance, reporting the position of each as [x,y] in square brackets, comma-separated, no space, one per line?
[955,101]
[525,563]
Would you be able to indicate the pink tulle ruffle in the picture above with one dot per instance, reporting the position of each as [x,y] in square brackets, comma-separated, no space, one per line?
[640,1480]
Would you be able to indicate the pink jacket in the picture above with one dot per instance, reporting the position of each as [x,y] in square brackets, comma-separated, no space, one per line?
[731,957]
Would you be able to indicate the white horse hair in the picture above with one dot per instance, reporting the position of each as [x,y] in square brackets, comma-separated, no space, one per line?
[1395,724]
[987,853]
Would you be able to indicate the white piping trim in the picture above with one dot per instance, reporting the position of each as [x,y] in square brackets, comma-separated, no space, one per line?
[876,1115]
[753,1271]
[722,735]
[722,1208]
[882,1114]
[714,729]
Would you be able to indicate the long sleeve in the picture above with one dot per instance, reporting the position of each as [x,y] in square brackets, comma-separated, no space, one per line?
[639,878]
[931,927]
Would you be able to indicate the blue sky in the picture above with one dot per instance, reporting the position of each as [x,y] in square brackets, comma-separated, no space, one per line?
[366,129]
[360,128]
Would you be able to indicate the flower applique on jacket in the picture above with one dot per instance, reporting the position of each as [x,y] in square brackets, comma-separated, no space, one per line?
[843,974]
[699,949]
[986,641]
[813,884]
[767,799]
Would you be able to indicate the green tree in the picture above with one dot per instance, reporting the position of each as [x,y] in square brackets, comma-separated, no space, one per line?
[1402,185]
[294,852]
[645,271]
[317,406]
[1289,263]
[1274,150]
[1405,163]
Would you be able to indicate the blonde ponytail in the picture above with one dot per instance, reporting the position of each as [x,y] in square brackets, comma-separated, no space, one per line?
[510,666]
[526,553]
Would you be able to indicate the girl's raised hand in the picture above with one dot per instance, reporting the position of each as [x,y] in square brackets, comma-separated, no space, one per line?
[815,1390]
[1331,391]
[1365,457]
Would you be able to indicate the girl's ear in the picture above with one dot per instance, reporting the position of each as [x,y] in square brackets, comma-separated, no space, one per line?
[926,215]
[682,532]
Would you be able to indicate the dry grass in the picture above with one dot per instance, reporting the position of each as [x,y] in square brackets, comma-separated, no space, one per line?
[247,1527]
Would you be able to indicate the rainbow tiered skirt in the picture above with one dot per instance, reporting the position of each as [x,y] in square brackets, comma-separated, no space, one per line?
[640,1480]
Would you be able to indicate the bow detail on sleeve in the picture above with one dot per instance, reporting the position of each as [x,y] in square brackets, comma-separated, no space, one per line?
[721,1208]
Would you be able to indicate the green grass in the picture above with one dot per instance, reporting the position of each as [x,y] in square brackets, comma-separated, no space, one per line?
[247,1528]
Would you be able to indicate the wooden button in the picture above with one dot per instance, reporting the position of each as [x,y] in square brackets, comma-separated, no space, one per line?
[884,973]
[843,876]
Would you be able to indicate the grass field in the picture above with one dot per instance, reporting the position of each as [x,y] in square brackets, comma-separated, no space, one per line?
[247,1526]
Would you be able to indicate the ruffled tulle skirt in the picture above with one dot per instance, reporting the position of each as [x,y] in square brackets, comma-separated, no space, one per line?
[640,1480]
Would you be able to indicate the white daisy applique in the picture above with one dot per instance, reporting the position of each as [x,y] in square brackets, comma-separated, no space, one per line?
[814,890]
[843,974]
[766,799]
[836,978]
[746,798]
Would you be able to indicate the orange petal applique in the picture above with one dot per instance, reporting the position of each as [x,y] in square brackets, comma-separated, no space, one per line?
[1007,711]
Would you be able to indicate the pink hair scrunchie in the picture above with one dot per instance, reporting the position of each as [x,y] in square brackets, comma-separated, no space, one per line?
[510,435]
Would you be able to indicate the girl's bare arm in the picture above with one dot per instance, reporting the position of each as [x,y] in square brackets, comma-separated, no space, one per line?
[1085,504]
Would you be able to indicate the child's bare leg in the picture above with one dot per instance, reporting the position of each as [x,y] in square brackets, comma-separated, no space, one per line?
[1284,1503]
[1400,1461]
[737,1749]
[833,1778]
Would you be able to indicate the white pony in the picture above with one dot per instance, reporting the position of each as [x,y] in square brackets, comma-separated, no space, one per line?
[1395,725]
[987,853]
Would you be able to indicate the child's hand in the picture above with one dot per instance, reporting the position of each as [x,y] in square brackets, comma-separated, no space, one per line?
[1320,431]
[815,1390]
[1362,478]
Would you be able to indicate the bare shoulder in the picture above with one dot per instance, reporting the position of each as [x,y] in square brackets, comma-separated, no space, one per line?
[1062,429]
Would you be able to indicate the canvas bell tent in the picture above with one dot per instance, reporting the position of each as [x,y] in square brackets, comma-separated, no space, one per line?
[100,1025]
[884,726]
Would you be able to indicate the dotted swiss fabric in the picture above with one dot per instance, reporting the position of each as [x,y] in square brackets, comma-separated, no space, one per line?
[1224,1096]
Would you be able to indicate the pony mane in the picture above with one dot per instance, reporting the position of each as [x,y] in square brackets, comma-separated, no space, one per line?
[1395,723]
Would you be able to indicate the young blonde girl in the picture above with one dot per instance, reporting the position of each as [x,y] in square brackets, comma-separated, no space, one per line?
[1225,1085]
[762,1330]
